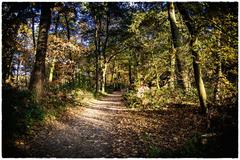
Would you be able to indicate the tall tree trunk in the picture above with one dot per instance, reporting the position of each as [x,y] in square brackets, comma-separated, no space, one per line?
[68,32]
[97,53]
[38,73]
[112,73]
[172,68]
[104,77]
[107,35]
[196,61]
[177,43]
[130,72]
[26,76]
[135,65]
[218,82]
[218,72]
[52,65]
[198,78]
[18,70]
[156,70]
[104,52]
[33,30]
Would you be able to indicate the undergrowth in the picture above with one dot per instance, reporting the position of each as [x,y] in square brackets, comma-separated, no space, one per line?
[21,111]
[222,121]
[198,147]
[158,98]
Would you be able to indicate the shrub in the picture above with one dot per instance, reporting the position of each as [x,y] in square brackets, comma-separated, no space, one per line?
[20,111]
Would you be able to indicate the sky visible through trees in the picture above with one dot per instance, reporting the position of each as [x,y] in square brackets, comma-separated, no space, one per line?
[119,79]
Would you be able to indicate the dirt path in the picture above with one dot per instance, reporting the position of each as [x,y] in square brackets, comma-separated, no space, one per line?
[105,128]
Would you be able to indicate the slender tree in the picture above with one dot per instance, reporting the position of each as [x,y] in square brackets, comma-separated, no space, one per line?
[105,64]
[218,71]
[52,64]
[10,25]
[196,59]
[97,51]
[33,29]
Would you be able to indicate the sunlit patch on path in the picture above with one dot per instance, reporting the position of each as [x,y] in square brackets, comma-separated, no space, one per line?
[106,128]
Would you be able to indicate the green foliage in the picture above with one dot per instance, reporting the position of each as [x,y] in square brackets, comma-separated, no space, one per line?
[68,94]
[154,152]
[158,98]
[21,110]
[137,48]
[131,99]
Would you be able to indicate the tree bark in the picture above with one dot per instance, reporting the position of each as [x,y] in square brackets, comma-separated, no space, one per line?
[18,70]
[25,74]
[104,70]
[38,74]
[130,71]
[177,43]
[218,72]
[33,29]
[198,78]
[52,67]
[104,77]
[97,53]
[172,68]
[196,62]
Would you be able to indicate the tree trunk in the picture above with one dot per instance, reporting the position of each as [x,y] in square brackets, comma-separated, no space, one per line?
[105,63]
[68,32]
[18,70]
[158,79]
[172,68]
[52,67]
[97,52]
[38,73]
[33,30]
[135,65]
[104,77]
[26,77]
[10,25]
[218,82]
[8,46]
[130,73]
[182,77]
[218,73]
[112,73]
[198,79]
[196,61]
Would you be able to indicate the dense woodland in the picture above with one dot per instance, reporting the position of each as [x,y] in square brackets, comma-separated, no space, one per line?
[166,73]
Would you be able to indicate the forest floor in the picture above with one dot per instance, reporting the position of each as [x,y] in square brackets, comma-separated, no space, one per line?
[106,128]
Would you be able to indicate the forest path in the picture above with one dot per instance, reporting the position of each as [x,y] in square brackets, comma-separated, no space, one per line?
[106,128]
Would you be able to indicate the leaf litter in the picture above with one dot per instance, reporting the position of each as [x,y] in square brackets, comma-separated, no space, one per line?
[106,128]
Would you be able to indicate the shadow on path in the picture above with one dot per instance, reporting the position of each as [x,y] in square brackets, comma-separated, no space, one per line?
[105,128]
